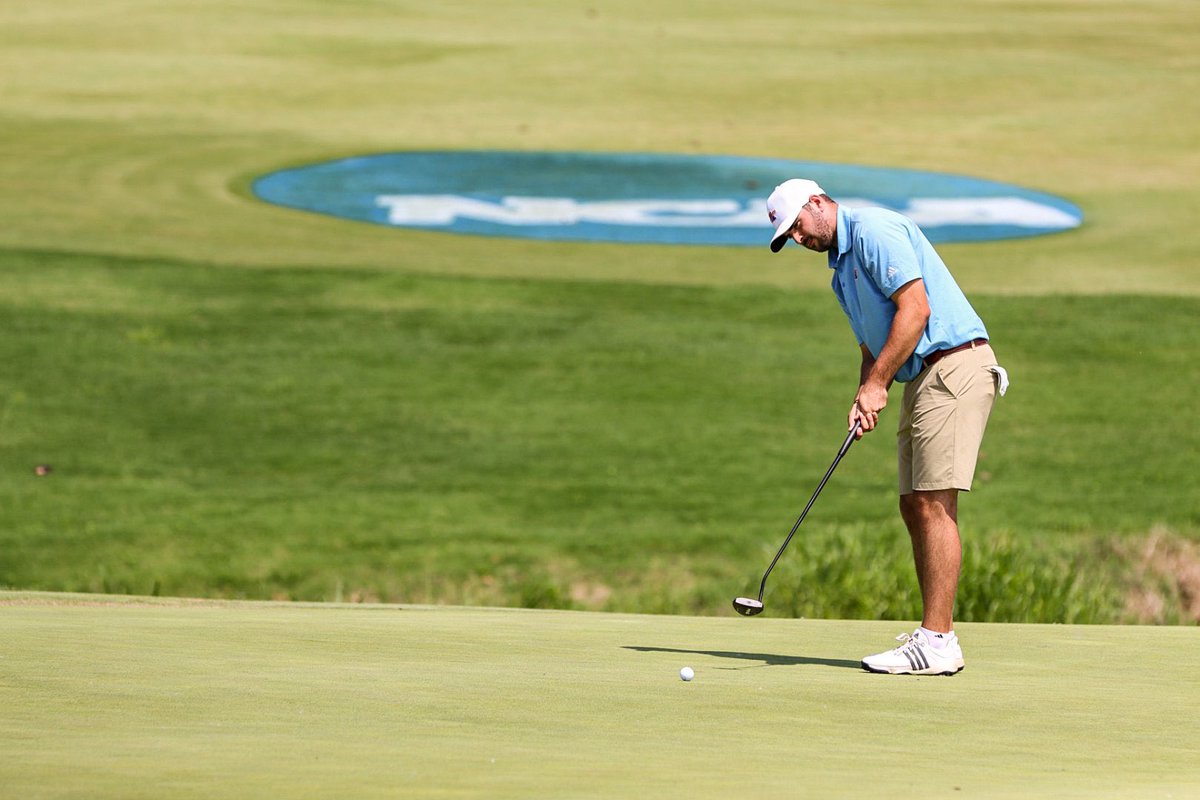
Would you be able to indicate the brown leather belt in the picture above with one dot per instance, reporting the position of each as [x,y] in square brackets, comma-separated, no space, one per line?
[938,355]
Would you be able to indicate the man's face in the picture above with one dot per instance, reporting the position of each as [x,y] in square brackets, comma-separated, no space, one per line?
[812,229]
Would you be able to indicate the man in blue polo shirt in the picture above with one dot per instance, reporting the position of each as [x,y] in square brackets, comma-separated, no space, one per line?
[914,325]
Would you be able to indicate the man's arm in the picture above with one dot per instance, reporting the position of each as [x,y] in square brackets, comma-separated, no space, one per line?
[912,314]
[864,371]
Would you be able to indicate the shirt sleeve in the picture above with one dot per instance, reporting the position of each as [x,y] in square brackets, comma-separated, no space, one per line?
[888,255]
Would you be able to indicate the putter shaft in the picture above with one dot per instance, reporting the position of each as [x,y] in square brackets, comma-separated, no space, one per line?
[850,439]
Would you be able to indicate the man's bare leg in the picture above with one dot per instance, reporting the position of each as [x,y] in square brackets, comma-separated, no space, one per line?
[932,521]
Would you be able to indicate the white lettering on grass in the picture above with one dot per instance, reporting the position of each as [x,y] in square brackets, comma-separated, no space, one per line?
[445,209]
[1015,211]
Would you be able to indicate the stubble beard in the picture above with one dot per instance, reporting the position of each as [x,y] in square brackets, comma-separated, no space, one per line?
[822,234]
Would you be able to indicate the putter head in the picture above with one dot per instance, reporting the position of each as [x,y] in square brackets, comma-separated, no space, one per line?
[747,607]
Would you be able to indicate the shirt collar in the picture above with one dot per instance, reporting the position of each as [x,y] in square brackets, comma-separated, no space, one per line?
[843,238]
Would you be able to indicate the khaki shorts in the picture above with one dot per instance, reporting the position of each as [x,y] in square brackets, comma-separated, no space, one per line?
[942,419]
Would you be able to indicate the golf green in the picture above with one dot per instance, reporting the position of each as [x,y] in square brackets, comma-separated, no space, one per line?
[124,698]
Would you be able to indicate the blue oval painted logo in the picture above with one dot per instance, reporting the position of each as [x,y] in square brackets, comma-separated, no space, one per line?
[660,199]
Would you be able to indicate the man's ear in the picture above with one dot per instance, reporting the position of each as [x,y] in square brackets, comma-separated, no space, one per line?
[821,204]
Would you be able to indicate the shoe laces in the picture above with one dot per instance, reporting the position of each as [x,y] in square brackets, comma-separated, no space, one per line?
[907,641]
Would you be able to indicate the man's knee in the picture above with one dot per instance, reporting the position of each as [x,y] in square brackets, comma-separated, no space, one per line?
[921,508]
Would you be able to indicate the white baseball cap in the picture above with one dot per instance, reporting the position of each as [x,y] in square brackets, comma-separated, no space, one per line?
[784,204]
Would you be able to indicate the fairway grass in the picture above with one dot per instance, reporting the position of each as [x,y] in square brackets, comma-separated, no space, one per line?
[320,435]
[135,128]
[104,697]
[244,401]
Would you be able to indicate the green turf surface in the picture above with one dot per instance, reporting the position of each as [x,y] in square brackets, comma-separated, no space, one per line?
[133,699]
[323,435]
[244,401]
[134,127]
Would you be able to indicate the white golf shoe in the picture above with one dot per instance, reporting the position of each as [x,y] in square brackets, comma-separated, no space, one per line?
[916,656]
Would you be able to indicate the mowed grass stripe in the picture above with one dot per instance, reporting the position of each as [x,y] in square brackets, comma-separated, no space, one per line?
[136,127]
[141,699]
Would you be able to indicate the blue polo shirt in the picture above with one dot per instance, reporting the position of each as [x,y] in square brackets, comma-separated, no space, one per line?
[877,252]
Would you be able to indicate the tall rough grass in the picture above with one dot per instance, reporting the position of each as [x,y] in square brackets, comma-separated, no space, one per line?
[856,573]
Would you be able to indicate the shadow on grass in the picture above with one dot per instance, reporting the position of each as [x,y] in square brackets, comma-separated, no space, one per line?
[768,659]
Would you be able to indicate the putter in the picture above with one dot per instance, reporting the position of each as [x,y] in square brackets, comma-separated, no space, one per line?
[748,607]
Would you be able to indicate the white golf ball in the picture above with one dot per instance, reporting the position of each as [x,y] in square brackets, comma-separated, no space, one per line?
[686,673]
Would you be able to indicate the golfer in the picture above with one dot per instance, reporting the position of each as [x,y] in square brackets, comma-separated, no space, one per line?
[913,325]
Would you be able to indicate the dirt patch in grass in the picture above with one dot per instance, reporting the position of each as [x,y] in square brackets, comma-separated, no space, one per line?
[1165,574]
